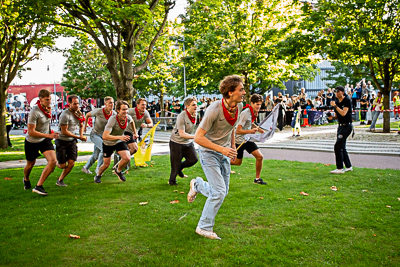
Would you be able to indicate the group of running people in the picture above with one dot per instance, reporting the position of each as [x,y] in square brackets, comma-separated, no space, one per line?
[220,136]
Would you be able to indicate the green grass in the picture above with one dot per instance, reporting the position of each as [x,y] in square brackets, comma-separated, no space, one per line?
[259,225]
[17,151]
[393,124]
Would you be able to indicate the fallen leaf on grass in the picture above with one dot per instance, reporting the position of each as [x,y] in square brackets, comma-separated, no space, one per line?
[151,165]
[261,198]
[290,199]
[317,168]
[303,193]
[387,206]
[7,178]
[327,164]
[175,191]
[334,188]
[374,234]
[398,198]
[174,201]
[365,190]
[143,203]
[182,192]
[251,163]
[233,172]
[74,236]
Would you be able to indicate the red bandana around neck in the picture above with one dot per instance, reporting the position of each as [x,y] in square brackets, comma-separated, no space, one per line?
[122,126]
[253,117]
[77,114]
[138,116]
[192,119]
[48,115]
[227,116]
[105,114]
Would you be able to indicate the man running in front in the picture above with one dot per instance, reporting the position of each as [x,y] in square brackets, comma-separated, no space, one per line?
[216,138]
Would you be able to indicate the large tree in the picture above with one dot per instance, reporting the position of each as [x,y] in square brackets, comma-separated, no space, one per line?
[358,32]
[242,37]
[121,29]
[23,35]
[86,73]
[160,76]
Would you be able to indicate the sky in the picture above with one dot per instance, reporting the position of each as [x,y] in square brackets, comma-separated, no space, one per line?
[49,68]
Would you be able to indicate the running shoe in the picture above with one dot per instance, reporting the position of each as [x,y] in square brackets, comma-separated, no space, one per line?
[208,234]
[61,183]
[86,170]
[192,193]
[39,190]
[120,176]
[348,169]
[97,179]
[27,184]
[337,171]
[259,181]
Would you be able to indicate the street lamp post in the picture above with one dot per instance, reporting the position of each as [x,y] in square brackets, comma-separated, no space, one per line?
[55,93]
[184,69]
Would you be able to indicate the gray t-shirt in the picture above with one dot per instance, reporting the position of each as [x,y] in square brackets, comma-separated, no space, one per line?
[67,118]
[183,122]
[100,120]
[113,127]
[217,127]
[245,121]
[137,122]
[37,117]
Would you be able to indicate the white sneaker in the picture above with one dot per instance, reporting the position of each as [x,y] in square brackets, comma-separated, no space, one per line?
[208,234]
[192,193]
[337,171]
[348,169]
[86,170]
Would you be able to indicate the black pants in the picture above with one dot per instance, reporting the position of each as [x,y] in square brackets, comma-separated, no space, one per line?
[177,153]
[363,115]
[340,147]
[8,127]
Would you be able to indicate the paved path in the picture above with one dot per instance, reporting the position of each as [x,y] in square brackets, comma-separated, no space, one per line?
[284,147]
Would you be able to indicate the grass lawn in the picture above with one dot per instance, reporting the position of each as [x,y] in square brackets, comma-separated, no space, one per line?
[17,151]
[271,225]
[393,124]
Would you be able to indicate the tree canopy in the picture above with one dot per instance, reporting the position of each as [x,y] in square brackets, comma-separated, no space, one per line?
[23,35]
[244,38]
[122,29]
[87,75]
[358,32]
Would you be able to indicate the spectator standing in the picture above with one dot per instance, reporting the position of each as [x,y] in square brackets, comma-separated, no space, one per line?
[364,107]
[396,105]
[377,106]
[8,128]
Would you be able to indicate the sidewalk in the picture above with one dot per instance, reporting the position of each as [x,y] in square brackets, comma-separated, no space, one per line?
[284,147]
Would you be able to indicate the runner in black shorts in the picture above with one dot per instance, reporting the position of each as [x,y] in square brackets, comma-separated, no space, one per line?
[115,140]
[39,139]
[66,148]
[246,126]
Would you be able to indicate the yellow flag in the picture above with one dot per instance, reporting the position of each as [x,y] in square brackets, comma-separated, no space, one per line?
[144,151]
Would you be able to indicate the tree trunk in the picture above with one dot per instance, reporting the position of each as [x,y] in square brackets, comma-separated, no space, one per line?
[386,114]
[247,87]
[162,107]
[3,131]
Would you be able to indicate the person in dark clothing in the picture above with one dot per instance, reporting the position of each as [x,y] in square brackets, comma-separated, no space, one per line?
[343,110]
[364,108]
